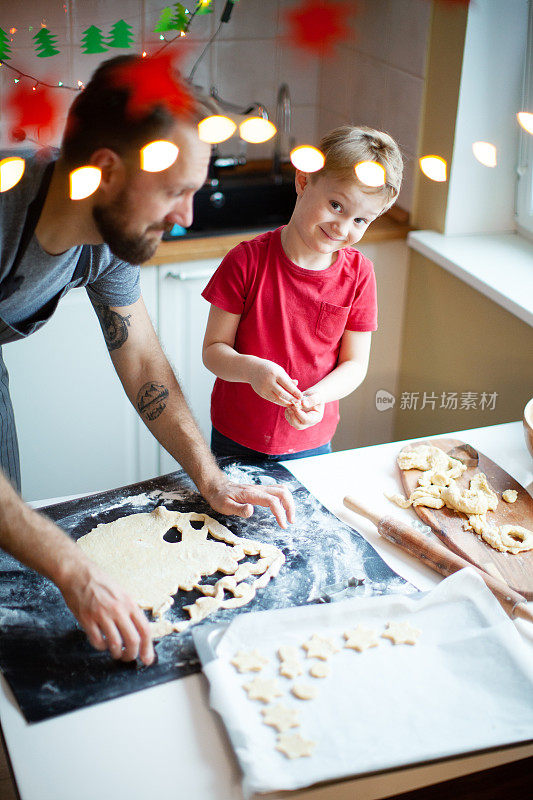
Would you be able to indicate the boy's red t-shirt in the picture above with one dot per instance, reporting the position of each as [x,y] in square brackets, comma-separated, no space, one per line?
[295,317]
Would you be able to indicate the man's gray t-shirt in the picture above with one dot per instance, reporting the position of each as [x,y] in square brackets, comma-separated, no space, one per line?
[31,289]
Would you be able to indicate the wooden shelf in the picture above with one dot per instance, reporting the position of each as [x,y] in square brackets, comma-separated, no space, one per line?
[383,229]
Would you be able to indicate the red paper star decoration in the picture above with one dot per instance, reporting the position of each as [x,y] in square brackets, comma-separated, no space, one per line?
[32,108]
[317,26]
[153,82]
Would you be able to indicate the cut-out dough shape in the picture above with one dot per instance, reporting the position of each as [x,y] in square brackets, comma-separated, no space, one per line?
[304,691]
[249,661]
[281,717]
[319,670]
[290,669]
[288,652]
[401,633]
[133,551]
[294,746]
[263,689]
[320,647]
[361,638]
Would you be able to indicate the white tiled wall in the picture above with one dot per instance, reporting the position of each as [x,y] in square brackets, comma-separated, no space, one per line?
[377,76]
[247,62]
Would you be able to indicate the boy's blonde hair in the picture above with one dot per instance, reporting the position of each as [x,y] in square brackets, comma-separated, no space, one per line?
[346,146]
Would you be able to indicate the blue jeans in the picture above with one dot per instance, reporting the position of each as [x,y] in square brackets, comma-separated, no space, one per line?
[222,446]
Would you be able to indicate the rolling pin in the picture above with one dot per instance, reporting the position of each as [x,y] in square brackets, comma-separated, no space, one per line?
[438,557]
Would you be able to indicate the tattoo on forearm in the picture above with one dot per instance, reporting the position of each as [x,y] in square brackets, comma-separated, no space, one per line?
[151,400]
[114,326]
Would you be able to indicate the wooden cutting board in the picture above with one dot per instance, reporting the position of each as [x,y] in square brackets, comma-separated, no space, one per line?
[515,570]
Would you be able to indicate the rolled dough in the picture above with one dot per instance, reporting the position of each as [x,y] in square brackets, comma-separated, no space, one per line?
[134,552]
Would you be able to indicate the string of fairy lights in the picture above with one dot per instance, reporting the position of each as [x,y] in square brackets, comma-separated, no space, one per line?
[160,155]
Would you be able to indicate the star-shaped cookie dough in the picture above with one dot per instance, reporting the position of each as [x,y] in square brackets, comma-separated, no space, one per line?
[401,633]
[249,661]
[294,746]
[320,647]
[361,638]
[288,652]
[290,669]
[281,717]
[263,689]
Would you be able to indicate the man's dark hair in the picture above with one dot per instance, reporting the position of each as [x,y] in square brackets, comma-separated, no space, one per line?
[99,116]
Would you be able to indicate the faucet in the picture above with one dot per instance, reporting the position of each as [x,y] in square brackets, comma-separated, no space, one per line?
[283,124]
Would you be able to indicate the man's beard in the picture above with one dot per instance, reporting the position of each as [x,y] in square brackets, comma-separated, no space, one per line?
[111,222]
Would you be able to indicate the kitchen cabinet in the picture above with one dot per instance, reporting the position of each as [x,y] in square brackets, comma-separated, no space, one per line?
[77,429]
[182,319]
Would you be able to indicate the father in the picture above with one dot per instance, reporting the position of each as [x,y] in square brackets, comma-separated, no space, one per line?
[50,244]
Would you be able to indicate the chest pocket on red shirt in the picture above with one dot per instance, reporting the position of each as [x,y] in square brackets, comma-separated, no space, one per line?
[331,321]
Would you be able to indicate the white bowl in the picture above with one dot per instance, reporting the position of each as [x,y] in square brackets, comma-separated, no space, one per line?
[528,425]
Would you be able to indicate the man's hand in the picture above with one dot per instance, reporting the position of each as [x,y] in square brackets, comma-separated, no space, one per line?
[239,499]
[308,413]
[110,618]
[271,382]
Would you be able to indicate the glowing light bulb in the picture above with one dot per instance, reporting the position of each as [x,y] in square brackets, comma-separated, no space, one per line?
[80,85]
[307,158]
[486,153]
[158,155]
[433,167]
[525,119]
[371,173]
[84,181]
[216,129]
[256,130]
[144,54]
[11,171]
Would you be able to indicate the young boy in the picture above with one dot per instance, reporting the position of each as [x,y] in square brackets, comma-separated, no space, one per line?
[292,311]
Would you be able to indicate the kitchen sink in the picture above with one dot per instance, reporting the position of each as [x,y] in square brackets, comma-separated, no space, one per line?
[237,203]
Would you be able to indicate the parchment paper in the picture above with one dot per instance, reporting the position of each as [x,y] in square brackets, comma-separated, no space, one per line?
[467,685]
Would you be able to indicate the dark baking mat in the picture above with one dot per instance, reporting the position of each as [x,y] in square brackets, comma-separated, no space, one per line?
[45,656]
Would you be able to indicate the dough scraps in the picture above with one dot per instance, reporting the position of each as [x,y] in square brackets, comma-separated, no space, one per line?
[361,638]
[320,647]
[510,495]
[281,717]
[437,487]
[401,633]
[133,551]
[249,661]
[294,746]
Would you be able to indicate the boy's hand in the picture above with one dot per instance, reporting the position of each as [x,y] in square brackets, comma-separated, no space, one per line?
[271,382]
[307,413]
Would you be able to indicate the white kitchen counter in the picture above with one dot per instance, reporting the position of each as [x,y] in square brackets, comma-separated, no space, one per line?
[165,742]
